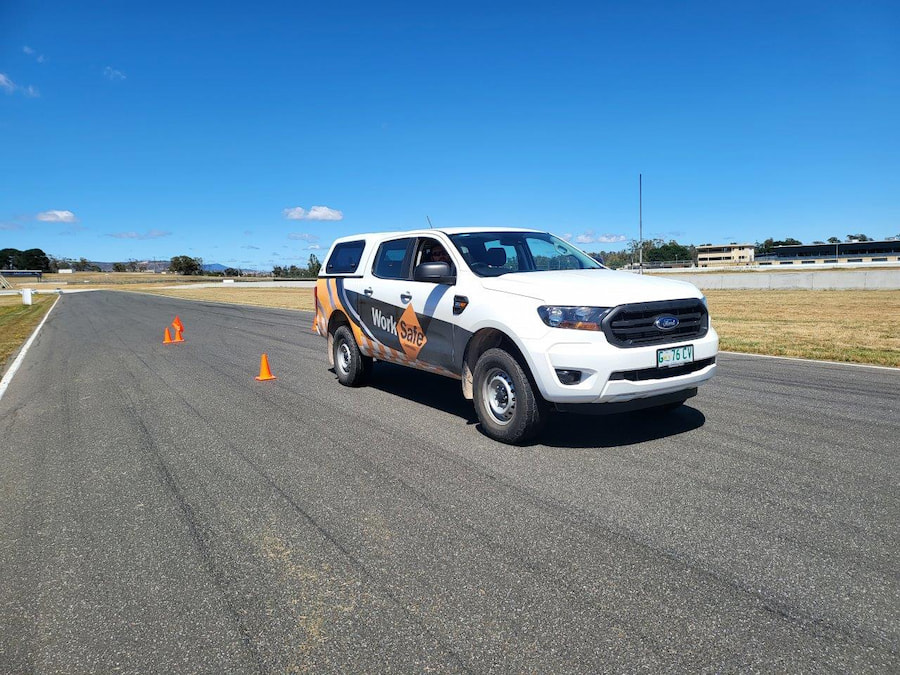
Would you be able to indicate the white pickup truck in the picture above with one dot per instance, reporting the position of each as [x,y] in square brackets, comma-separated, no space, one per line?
[524,319]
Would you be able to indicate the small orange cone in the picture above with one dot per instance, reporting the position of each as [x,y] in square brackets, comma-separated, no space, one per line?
[264,372]
[177,325]
[178,337]
[167,339]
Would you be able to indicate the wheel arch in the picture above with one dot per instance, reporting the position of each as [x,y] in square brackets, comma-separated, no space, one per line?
[478,344]
[335,321]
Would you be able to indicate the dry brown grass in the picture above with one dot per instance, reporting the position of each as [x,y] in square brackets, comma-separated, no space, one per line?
[854,326]
[18,320]
[285,298]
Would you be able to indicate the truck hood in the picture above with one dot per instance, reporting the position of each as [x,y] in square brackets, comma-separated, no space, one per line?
[593,288]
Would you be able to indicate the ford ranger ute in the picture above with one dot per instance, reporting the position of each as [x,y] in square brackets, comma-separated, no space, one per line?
[522,318]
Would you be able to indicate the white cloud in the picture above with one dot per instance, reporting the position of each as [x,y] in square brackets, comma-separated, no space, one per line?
[10,226]
[303,236]
[40,58]
[315,213]
[10,87]
[313,247]
[251,246]
[589,237]
[150,234]
[56,217]
[324,213]
[295,213]
[113,75]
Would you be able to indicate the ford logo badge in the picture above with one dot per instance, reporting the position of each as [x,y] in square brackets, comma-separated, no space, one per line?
[666,322]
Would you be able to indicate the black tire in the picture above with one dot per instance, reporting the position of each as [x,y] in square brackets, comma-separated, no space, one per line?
[507,404]
[350,366]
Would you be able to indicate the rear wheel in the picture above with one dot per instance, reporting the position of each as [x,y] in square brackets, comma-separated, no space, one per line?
[351,367]
[507,405]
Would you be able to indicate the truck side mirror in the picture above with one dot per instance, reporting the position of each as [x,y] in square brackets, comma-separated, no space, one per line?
[434,273]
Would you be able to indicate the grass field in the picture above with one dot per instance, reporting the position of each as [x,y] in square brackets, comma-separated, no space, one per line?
[286,298]
[853,326]
[17,321]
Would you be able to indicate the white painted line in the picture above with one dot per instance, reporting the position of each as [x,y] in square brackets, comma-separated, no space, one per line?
[830,363]
[4,383]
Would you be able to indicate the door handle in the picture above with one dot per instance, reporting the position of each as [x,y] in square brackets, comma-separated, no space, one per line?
[368,291]
[405,297]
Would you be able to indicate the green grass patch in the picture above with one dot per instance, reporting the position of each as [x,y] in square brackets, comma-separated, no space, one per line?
[17,321]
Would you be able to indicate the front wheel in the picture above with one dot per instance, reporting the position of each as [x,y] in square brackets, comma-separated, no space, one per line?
[505,400]
[351,367]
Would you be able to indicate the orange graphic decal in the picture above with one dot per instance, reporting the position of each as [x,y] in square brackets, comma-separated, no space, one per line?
[412,337]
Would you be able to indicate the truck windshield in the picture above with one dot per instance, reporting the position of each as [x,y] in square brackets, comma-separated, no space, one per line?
[490,254]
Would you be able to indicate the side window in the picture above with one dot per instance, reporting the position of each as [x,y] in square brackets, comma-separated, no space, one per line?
[391,259]
[345,258]
[431,250]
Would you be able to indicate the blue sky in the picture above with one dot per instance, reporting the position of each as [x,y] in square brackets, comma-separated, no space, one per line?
[254,135]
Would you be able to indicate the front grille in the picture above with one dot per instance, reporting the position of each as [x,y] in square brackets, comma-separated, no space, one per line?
[633,325]
[661,373]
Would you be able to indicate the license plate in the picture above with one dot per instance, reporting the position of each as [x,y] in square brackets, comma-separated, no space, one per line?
[676,356]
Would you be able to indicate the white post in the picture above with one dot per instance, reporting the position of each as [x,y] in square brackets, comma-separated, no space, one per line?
[26,296]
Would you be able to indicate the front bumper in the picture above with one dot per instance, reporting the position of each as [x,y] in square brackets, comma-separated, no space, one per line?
[612,374]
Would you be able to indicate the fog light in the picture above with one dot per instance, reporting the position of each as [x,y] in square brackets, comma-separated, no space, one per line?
[569,376]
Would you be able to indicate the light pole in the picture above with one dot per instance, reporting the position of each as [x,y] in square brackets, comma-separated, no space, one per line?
[641,222]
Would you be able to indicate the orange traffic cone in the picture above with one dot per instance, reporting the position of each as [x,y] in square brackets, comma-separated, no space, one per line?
[178,337]
[167,338]
[176,323]
[264,372]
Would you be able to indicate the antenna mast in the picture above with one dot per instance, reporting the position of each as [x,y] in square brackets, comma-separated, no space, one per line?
[429,222]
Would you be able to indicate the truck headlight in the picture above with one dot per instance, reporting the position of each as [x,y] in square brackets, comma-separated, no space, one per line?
[580,318]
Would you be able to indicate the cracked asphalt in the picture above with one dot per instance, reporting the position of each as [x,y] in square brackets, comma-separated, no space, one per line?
[161,511]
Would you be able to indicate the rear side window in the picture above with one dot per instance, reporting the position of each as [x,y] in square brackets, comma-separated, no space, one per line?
[345,257]
[391,259]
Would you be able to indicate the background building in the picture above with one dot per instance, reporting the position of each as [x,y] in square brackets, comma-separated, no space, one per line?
[844,252]
[727,255]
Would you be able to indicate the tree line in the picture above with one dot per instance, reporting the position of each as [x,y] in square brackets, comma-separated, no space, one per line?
[293,271]
[659,250]
[654,251]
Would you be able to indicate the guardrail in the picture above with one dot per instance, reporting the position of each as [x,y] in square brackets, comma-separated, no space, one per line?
[22,273]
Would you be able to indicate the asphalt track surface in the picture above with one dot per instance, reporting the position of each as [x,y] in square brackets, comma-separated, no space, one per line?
[161,511]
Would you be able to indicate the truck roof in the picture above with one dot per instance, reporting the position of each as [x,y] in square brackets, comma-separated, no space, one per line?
[427,232]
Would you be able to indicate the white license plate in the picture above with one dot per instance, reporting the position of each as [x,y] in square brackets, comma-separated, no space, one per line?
[676,356]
